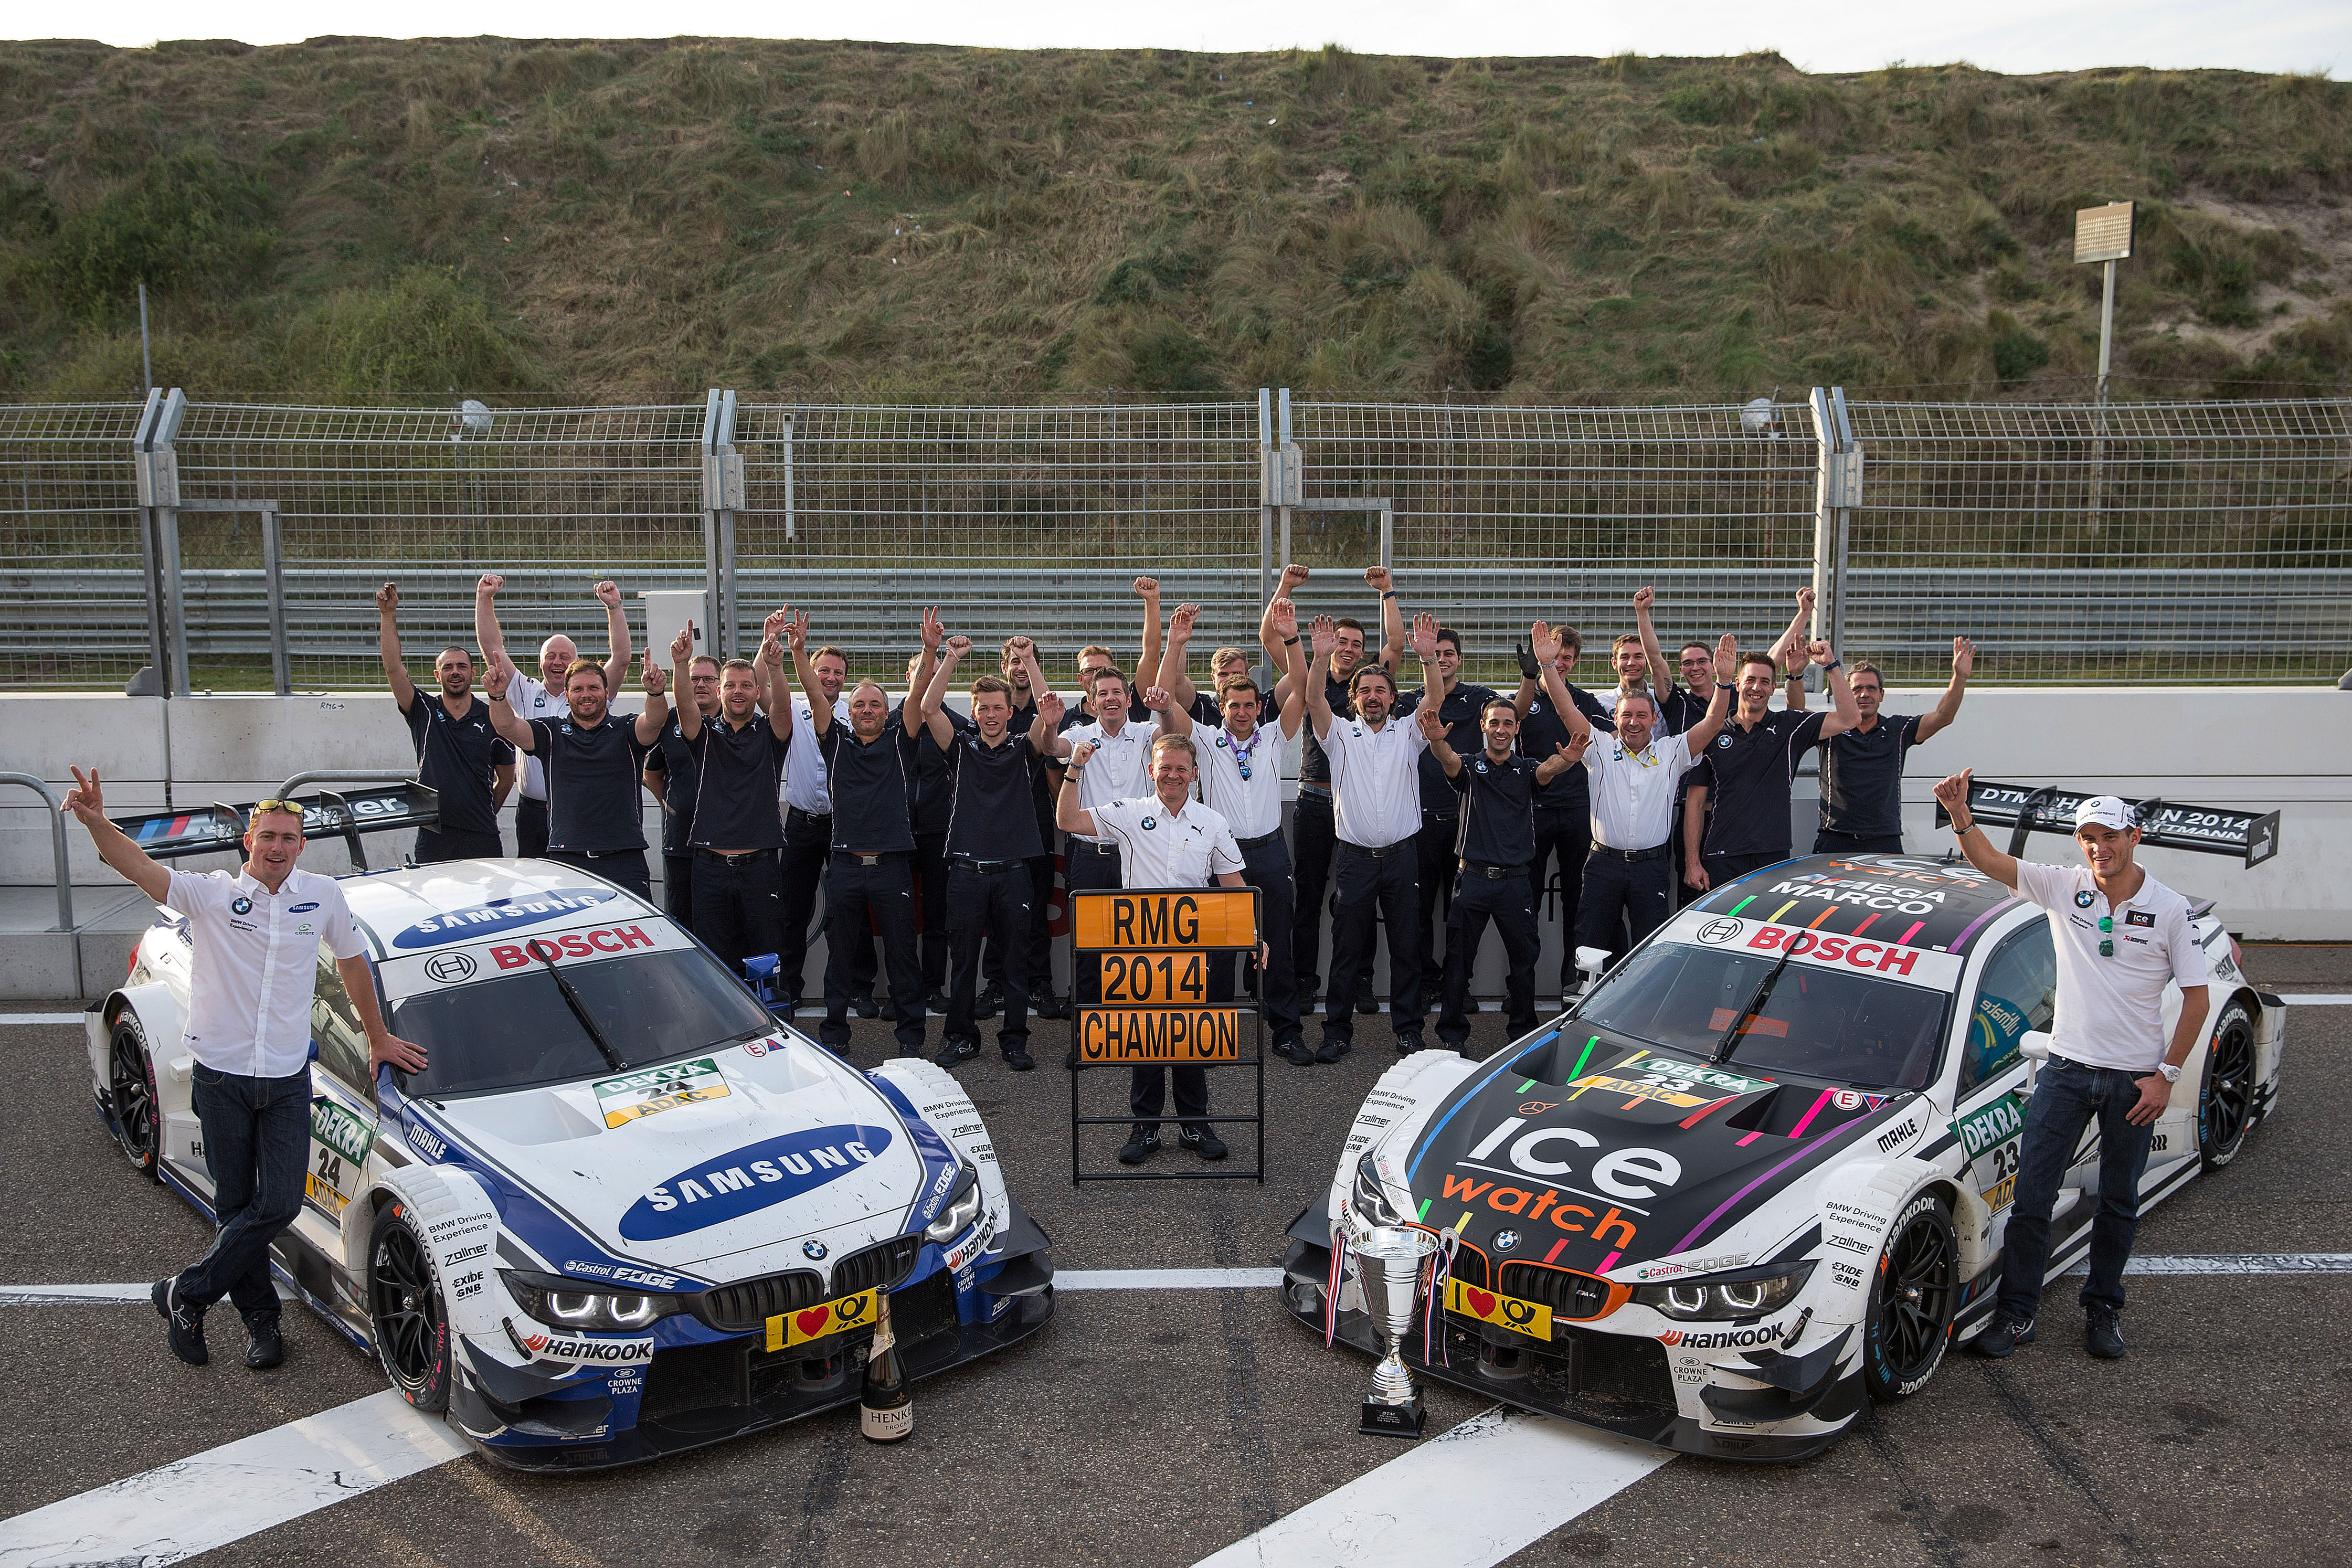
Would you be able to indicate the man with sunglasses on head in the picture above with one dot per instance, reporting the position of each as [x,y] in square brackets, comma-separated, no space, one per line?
[2120,934]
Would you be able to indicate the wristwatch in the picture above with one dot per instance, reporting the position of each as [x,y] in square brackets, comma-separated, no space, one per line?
[2171,1074]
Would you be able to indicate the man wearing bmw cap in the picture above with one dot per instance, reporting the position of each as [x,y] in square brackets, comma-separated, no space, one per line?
[256,937]
[2120,935]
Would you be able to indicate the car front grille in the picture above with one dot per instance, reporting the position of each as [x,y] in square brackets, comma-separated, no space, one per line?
[1569,1294]
[742,1307]
[883,1264]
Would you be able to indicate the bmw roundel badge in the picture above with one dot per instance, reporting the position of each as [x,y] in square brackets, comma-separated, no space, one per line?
[2086,899]
[813,1250]
[241,904]
[1480,765]
[1506,1239]
[1724,739]
[1149,823]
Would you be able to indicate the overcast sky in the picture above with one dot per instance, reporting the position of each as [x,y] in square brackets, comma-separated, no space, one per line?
[2011,36]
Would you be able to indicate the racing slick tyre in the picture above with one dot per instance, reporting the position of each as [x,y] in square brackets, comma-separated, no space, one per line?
[131,1090]
[1912,1300]
[2225,1101]
[405,1312]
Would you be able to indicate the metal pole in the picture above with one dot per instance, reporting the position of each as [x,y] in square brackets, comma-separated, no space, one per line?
[1387,535]
[56,844]
[2099,411]
[1265,498]
[1824,511]
[282,663]
[731,484]
[175,596]
[710,511]
[1850,458]
[792,521]
[146,360]
[1281,440]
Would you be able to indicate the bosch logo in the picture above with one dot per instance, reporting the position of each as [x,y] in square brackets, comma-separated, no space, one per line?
[813,1250]
[449,968]
[1715,933]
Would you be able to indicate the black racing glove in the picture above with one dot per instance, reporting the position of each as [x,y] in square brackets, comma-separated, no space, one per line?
[1527,665]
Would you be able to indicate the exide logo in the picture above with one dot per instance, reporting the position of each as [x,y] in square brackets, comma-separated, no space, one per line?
[1830,948]
[570,944]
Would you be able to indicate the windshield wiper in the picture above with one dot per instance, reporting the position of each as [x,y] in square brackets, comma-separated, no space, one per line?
[1762,994]
[580,1011]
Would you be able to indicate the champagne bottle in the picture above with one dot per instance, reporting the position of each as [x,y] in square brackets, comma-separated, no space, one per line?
[886,1409]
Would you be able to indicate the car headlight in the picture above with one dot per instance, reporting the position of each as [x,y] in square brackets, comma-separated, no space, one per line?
[580,1308]
[1371,1198]
[962,1208]
[1711,1300]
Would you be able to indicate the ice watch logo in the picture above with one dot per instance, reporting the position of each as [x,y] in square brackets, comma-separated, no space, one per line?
[752,1178]
[481,920]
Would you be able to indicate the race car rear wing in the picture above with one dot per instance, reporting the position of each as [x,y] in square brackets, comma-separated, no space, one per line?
[380,809]
[2208,830]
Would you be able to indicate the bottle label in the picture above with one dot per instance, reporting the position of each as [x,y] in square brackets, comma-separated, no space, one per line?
[886,1426]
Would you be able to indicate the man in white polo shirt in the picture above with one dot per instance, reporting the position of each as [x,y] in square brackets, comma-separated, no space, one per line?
[1241,780]
[1375,813]
[2120,935]
[257,938]
[1166,839]
[1636,779]
[1119,769]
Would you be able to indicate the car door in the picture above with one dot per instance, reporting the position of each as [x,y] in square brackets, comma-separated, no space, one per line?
[2016,991]
[342,1113]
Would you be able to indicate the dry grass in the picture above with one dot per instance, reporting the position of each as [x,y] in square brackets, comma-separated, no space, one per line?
[628,217]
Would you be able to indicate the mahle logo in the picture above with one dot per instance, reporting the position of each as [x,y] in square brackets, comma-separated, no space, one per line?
[1990,1125]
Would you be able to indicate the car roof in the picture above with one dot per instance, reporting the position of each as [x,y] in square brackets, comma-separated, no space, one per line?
[419,908]
[1913,899]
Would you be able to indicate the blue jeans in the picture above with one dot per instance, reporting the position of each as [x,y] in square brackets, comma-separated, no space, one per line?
[256,1146]
[2066,1096]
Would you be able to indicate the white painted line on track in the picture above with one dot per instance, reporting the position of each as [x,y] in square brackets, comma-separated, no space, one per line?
[1165,1278]
[2318,999]
[240,1489]
[2239,1264]
[39,1018]
[71,1295]
[1528,1474]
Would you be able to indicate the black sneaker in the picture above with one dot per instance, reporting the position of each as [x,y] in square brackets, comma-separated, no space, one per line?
[1368,1003]
[1071,1061]
[989,1003]
[866,1006]
[2104,1333]
[1141,1145]
[263,1346]
[888,1007]
[184,1323]
[2001,1340]
[1295,1051]
[957,1050]
[1408,1042]
[1018,1058]
[1202,1141]
[1332,1050]
[1054,1006]
[937,1003]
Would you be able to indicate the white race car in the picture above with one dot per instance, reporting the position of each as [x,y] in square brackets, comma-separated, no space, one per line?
[626,1211]
[1762,1170]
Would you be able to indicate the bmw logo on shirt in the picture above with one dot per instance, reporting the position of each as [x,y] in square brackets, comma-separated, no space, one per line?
[1149,823]
[1480,765]
[1724,741]
[241,904]
[2086,899]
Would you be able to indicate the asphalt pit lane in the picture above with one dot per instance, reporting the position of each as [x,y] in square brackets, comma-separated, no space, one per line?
[1592,1545]
[1975,1524]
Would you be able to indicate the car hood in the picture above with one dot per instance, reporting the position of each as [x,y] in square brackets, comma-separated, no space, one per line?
[727,1154]
[1644,1157]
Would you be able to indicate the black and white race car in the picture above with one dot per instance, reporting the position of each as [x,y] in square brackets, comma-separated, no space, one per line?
[1761,1171]
[626,1211]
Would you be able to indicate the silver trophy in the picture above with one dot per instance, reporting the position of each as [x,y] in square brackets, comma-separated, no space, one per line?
[1389,1264]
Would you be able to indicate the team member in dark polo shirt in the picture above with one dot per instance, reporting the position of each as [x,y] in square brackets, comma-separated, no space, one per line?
[543,697]
[927,815]
[1745,771]
[671,775]
[1459,706]
[1862,770]
[1015,660]
[457,752]
[592,758]
[1563,808]
[991,835]
[738,833]
[1496,845]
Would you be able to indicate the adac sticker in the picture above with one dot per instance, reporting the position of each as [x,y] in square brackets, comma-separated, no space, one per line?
[481,920]
[656,1089]
[752,1178]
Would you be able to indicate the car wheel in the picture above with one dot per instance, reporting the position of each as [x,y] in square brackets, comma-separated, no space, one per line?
[1912,1300]
[2225,1100]
[405,1311]
[130,1089]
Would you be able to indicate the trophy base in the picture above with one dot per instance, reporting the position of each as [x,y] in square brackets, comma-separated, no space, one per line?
[1381,1419]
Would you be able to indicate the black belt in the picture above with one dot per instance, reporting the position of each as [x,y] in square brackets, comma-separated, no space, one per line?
[873,860]
[593,854]
[1320,791]
[1634,855]
[1261,840]
[792,810]
[726,859]
[1401,847]
[1441,816]
[1077,843]
[1491,872]
[987,867]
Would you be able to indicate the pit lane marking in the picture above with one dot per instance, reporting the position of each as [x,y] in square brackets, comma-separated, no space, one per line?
[40,1018]
[237,1490]
[2318,999]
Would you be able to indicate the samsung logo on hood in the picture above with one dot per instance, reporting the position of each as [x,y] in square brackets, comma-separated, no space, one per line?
[482,920]
[752,1178]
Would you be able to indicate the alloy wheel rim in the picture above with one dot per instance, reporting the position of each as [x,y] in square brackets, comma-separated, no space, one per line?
[1915,1294]
[407,1311]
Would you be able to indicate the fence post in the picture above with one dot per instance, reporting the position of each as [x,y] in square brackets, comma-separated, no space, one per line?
[273,570]
[143,484]
[159,491]
[1837,491]
[1265,498]
[730,501]
[1285,454]
[710,556]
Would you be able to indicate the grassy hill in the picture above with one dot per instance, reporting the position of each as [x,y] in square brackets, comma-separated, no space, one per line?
[361,219]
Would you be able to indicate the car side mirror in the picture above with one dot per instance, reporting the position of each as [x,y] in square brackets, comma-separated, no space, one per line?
[1592,962]
[2034,1046]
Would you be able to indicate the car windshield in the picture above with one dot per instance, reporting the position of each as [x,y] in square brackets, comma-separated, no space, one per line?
[1849,1029]
[519,1030]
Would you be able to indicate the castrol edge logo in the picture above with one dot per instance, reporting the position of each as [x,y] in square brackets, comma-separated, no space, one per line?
[1854,955]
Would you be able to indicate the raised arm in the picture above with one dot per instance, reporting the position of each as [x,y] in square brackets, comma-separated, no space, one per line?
[1424,648]
[804,671]
[1290,690]
[1293,575]
[1068,815]
[1392,638]
[1953,795]
[1565,755]
[1149,658]
[1174,717]
[387,644]
[1530,679]
[1319,678]
[1433,727]
[1044,728]
[1844,715]
[1543,647]
[1726,665]
[1653,656]
[1788,651]
[503,718]
[681,664]
[649,723]
[87,801]
[1948,707]
[616,627]
[486,618]
[933,633]
[935,695]
[1170,673]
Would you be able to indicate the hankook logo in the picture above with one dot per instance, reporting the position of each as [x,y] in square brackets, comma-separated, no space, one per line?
[1715,933]
[449,968]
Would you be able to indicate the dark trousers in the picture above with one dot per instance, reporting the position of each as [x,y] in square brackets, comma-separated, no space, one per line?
[1636,892]
[256,1146]
[1368,884]
[979,903]
[1146,1087]
[1041,932]
[1088,868]
[677,888]
[622,867]
[530,827]
[1313,839]
[1267,868]
[1511,903]
[1565,837]
[436,845]
[885,893]
[1722,871]
[807,841]
[738,903]
[931,895]
[1434,852]
[1828,843]
[2066,1096]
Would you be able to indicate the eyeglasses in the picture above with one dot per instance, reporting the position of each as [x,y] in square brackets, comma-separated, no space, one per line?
[2106,936]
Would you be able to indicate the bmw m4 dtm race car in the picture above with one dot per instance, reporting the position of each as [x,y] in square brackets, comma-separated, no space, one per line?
[1761,1171]
[625,1211]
